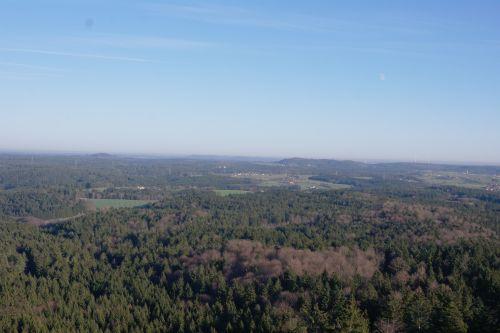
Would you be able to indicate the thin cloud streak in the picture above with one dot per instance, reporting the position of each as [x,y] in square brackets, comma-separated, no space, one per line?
[239,16]
[228,15]
[28,66]
[138,42]
[26,76]
[76,55]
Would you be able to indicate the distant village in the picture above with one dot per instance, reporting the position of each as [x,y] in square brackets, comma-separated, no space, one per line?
[494,187]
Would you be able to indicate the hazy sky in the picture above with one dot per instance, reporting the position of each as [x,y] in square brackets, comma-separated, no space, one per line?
[341,79]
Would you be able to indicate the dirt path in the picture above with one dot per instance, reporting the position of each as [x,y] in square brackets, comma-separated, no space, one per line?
[40,222]
[64,219]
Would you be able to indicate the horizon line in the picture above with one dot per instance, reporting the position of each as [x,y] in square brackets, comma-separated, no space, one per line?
[209,156]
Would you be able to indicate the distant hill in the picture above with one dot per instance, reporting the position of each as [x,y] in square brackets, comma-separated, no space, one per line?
[321,163]
[324,165]
[101,155]
[230,158]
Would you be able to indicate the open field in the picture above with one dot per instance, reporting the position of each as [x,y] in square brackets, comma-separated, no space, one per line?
[307,184]
[303,181]
[468,180]
[116,203]
[224,193]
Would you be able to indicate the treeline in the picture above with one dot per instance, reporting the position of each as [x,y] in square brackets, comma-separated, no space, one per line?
[83,172]
[97,171]
[40,203]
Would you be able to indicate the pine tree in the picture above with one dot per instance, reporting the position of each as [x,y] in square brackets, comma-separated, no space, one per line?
[354,320]
[447,318]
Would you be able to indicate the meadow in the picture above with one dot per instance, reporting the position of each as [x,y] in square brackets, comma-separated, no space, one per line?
[468,180]
[286,180]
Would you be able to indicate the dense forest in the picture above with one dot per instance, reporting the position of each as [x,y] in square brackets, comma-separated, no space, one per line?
[391,253]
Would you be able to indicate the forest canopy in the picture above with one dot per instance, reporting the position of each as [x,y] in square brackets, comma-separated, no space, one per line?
[385,255]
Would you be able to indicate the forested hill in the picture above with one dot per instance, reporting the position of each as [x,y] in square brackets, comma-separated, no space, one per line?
[399,167]
[323,164]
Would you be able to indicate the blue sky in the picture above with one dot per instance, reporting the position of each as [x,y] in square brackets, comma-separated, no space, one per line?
[398,80]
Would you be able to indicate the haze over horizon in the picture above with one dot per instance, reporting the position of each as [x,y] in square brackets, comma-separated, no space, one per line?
[346,80]
[222,157]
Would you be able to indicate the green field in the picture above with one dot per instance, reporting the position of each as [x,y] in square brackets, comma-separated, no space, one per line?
[474,181]
[302,181]
[117,203]
[319,185]
[224,193]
